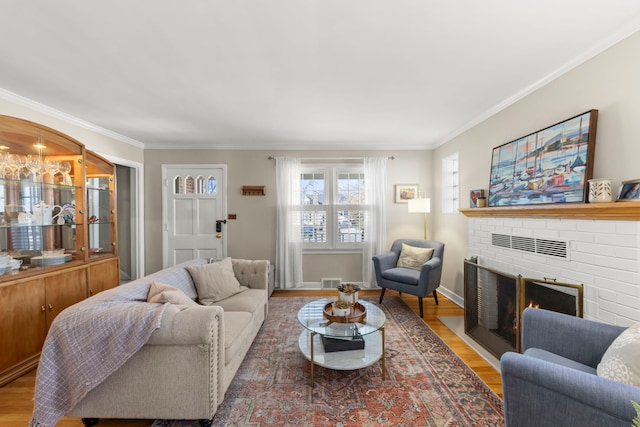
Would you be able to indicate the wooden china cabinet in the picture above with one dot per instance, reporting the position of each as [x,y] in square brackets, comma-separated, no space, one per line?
[58,225]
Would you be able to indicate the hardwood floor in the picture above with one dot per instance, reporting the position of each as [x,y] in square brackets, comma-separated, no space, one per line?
[16,402]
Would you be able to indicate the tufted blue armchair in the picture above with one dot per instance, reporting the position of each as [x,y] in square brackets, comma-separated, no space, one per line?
[419,283]
[554,382]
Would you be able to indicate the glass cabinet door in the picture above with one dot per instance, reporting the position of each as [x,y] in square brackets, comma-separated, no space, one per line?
[101,220]
[41,181]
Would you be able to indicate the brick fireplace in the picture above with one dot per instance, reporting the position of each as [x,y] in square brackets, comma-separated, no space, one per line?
[597,245]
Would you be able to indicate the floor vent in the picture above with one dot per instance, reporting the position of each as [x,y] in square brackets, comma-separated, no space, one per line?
[330,283]
[553,248]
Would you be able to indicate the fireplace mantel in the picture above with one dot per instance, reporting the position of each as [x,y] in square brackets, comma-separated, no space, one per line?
[621,211]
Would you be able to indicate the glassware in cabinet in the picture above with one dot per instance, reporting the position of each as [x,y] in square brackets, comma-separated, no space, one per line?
[44,225]
[39,190]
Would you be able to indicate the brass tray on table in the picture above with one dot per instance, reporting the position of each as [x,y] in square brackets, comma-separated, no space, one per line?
[357,314]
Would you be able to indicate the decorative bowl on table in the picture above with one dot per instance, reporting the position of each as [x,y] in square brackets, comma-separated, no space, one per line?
[355,313]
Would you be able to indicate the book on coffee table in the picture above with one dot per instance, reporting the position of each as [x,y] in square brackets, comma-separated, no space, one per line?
[340,344]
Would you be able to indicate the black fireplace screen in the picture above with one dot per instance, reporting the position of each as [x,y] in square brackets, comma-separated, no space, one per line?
[494,301]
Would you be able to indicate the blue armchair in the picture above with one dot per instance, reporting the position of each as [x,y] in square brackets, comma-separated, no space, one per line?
[554,381]
[415,282]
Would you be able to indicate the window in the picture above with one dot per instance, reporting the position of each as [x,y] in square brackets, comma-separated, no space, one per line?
[350,201]
[200,185]
[333,206]
[450,184]
[314,214]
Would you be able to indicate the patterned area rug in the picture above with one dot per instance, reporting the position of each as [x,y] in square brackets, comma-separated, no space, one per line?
[426,383]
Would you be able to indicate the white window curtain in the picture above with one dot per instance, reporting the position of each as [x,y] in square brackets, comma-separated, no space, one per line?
[375,176]
[288,232]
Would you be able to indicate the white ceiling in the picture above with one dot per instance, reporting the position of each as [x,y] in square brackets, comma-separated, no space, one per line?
[295,74]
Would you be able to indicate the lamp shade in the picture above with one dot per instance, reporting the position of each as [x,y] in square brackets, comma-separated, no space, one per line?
[419,206]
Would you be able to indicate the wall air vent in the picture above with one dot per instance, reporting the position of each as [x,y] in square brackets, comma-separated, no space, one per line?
[502,240]
[330,283]
[553,248]
[523,243]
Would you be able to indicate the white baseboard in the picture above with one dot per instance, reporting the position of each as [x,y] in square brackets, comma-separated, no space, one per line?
[455,298]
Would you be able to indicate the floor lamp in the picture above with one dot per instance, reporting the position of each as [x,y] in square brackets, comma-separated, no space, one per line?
[422,206]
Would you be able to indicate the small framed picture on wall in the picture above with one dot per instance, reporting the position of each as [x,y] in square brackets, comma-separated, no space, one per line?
[406,192]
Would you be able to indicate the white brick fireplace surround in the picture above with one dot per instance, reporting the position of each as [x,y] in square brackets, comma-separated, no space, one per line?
[604,255]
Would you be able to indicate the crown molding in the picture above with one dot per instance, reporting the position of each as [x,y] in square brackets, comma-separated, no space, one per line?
[291,146]
[49,111]
[620,35]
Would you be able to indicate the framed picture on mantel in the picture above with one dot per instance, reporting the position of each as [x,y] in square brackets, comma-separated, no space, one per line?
[476,198]
[630,191]
[551,165]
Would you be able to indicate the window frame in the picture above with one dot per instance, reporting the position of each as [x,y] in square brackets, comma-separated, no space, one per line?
[451,184]
[331,207]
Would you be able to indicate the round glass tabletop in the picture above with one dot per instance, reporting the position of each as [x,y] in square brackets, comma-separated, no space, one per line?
[311,316]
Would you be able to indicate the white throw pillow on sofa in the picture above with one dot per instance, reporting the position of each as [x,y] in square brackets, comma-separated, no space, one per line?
[215,281]
[163,293]
[621,361]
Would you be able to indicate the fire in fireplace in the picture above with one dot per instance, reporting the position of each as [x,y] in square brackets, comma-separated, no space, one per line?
[561,297]
[494,301]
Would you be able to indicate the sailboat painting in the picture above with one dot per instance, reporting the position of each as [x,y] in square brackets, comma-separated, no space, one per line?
[551,165]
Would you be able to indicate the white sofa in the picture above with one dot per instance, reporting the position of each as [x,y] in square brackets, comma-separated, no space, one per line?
[185,368]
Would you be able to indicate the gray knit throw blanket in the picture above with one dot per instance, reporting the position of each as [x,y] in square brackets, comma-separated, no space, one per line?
[86,343]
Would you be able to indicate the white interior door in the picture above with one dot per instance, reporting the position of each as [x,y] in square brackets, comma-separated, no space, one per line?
[194,212]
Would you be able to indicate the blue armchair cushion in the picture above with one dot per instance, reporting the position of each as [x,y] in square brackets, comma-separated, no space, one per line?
[551,384]
[621,361]
[404,275]
[547,356]
[413,257]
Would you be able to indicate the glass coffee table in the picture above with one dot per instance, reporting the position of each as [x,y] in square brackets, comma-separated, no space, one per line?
[311,316]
